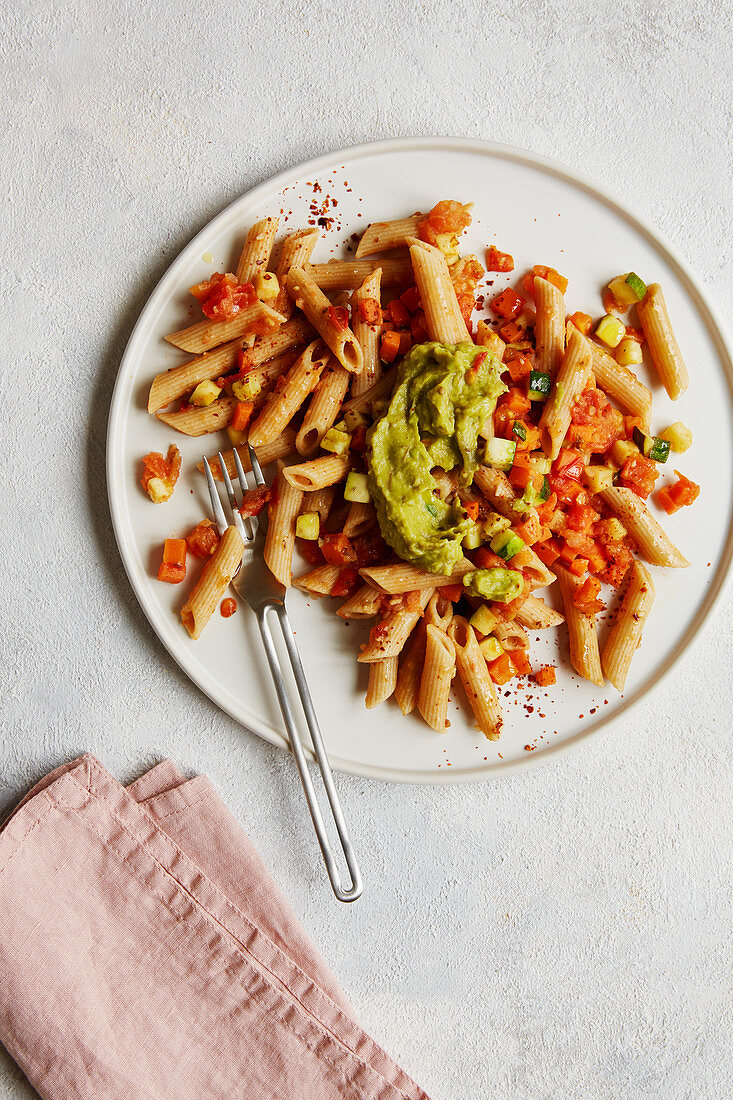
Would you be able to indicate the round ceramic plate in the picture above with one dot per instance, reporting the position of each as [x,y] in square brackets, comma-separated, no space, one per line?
[541,213]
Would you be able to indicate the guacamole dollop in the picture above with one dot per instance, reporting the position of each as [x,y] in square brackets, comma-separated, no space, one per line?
[444,394]
[501,585]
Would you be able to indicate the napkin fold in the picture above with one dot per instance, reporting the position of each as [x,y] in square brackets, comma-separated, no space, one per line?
[147,954]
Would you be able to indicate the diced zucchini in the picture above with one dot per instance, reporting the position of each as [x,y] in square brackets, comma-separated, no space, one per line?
[519,430]
[494,524]
[354,420]
[483,620]
[615,529]
[499,453]
[308,526]
[539,462]
[206,392]
[491,648]
[236,438]
[506,544]
[627,289]
[540,385]
[266,286]
[474,537]
[652,446]
[340,426]
[336,441]
[356,489]
[247,388]
[598,478]
[678,436]
[628,353]
[622,450]
[532,496]
[610,330]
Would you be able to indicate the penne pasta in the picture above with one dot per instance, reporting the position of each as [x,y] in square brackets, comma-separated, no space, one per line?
[361,518]
[573,376]
[437,674]
[621,385]
[394,628]
[535,570]
[365,603]
[382,681]
[323,409]
[285,402]
[258,319]
[384,236]
[584,654]
[625,636]
[474,675]
[213,582]
[654,542]
[399,577]
[549,329]
[367,333]
[534,614]
[350,274]
[492,341]
[319,581]
[662,343]
[439,611]
[174,383]
[296,251]
[281,447]
[496,487]
[200,421]
[290,335]
[407,687]
[377,392]
[318,472]
[322,315]
[257,248]
[511,635]
[443,318]
[280,538]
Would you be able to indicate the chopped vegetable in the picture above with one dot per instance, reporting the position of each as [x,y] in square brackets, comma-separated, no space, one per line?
[205,393]
[338,550]
[222,297]
[582,321]
[499,453]
[161,474]
[652,446]
[473,537]
[502,669]
[498,261]
[242,415]
[545,676]
[491,648]
[627,289]
[540,384]
[610,330]
[247,388]
[678,436]
[483,620]
[336,441]
[356,489]
[628,353]
[598,478]
[506,544]
[494,524]
[682,493]
[173,567]
[266,286]
[519,430]
[254,500]
[308,526]
[389,347]
[508,304]
[203,540]
[338,316]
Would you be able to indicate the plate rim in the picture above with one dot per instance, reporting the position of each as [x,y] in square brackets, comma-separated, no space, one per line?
[440,143]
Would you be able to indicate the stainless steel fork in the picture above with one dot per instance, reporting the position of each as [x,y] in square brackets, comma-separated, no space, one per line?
[266,597]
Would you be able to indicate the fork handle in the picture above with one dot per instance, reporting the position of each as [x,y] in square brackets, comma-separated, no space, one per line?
[277,609]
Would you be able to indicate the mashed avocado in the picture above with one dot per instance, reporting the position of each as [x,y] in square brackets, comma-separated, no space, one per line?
[438,409]
[501,585]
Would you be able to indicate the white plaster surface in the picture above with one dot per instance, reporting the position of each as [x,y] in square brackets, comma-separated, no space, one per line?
[565,933]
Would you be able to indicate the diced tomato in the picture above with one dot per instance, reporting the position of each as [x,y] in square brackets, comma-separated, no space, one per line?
[222,297]
[228,607]
[665,500]
[513,405]
[311,551]
[639,473]
[547,273]
[339,317]
[418,328]
[203,540]
[568,464]
[254,500]
[502,669]
[173,574]
[358,439]
[174,552]
[508,304]
[578,566]
[581,518]
[242,415]
[635,334]
[337,549]
[611,303]
[345,582]
[370,311]
[545,676]
[588,594]
[398,312]
[405,342]
[167,469]
[447,216]
[484,558]
[466,304]
[498,261]
[631,422]
[452,592]
[594,411]
[546,510]
[411,299]
[511,331]
[520,476]
[471,508]
[389,347]
[683,492]
[582,321]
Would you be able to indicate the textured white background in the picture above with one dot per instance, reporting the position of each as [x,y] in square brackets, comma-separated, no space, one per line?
[564,933]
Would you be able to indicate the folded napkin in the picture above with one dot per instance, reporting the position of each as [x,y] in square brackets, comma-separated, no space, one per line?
[147,954]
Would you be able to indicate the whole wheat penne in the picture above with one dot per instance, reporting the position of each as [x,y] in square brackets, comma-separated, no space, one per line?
[573,376]
[280,538]
[319,581]
[496,487]
[399,577]
[323,409]
[625,637]
[285,402]
[377,392]
[201,421]
[621,385]
[296,251]
[511,634]
[535,614]
[318,472]
[281,447]
[437,673]
[584,654]
[319,501]
[535,570]
[549,328]
[213,582]
[443,318]
[177,381]
[309,298]
[258,318]
[349,274]
[474,675]
[439,611]
[257,248]
[292,334]
[360,519]
[384,236]
[407,687]
[366,332]
[654,542]
[364,603]
[382,681]
[389,635]
[662,343]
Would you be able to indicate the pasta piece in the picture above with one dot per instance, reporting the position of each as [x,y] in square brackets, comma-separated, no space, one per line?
[384,236]
[349,274]
[365,603]
[282,407]
[443,318]
[437,674]
[257,249]
[654,542]
[323,409]
[584,653]
[174,383]
[280,538]
[549,329]
[292,334]
[201,421]
[621,385]
[399,577]
[367,334]
[439,611]
[320,501]
[625,636]
[535,570]
[496,487]
[296,251]
[474,675]
[394,628]
[534,614]
[663,346]
[213,582]
[407,688]
[382,681]
[377,392]
[511,635]
[572,378]
[319,581]
[318,473]
[361,518]
[258,319]
[322,315]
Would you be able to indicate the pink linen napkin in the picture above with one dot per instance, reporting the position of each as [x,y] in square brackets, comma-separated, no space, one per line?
[147,954]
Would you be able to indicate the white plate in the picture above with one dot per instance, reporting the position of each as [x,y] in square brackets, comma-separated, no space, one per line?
[541,213]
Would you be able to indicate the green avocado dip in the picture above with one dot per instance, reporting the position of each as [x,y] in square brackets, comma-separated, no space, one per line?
[444,395]
[501,585]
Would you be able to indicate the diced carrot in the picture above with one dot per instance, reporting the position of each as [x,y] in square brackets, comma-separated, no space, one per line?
[471,508]
[545,676]
[519,368]
[242,415]
[502,669]
[589,590]
[411,299]
[370,311]
[173,574]
[487,559]
[511,331]
[567,554]
[578,566]
[520,661]
[174,552]
[583,322]
[685,491]
[398,312]
[405,342]
[528,531]
[508,304]
[389,347]
[551,276]
[339,317]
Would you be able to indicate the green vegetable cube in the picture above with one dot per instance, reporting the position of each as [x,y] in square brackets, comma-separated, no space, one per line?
[499,453]
[506,544]
[336,441]
[308,526]
[356,488]
[540,385]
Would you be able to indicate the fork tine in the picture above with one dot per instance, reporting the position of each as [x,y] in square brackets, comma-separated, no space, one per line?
[256,468]
[219,513]
[244,486]
[236,514]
